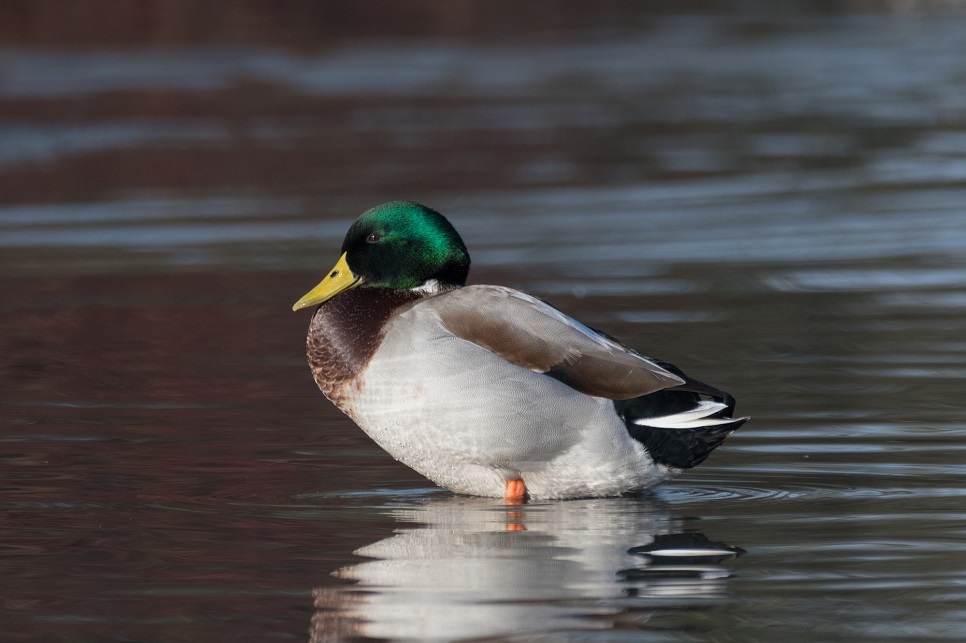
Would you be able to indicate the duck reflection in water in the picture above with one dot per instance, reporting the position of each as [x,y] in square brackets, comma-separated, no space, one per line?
[475,567]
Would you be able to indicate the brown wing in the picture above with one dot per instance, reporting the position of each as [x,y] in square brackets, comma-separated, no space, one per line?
[530,333]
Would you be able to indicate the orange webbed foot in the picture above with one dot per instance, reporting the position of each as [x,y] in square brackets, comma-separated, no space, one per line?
[516,492]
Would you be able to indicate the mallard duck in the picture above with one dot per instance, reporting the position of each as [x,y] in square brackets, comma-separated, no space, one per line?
[486,390]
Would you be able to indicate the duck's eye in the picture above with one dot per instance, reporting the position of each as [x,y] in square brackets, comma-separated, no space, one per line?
[373,237]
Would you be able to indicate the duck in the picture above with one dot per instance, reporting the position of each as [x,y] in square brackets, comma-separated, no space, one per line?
[489,391]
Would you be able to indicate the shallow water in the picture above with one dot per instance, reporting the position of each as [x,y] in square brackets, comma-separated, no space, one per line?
[774,204]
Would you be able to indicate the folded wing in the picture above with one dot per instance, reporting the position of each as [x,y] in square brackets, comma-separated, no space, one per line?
[533,334]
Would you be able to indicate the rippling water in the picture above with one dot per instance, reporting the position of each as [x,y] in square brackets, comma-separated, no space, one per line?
[775,204]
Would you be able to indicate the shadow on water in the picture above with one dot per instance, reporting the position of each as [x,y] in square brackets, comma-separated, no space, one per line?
[468,568]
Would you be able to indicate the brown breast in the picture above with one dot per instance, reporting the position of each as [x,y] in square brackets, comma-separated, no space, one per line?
[344,334]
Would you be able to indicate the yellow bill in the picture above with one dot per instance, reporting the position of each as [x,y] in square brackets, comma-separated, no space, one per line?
[339,278]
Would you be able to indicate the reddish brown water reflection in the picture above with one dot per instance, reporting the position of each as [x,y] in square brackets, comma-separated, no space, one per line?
[156,441]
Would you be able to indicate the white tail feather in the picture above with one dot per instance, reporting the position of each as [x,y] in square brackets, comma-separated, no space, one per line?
[691,419]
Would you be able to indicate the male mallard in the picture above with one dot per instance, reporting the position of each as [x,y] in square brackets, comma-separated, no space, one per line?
[487,390]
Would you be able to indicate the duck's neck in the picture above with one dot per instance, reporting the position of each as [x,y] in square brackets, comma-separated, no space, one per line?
[345,332]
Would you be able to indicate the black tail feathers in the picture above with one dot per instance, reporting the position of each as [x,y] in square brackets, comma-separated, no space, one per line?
[677,426]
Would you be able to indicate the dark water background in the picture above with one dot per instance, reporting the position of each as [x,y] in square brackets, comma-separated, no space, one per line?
[770,195]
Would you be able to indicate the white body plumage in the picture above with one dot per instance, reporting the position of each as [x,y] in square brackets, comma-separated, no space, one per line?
[470,420]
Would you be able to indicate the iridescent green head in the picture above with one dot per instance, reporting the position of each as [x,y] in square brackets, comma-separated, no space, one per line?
[400,245]
[403,245]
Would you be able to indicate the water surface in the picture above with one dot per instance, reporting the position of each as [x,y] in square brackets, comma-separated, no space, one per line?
[773,204]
